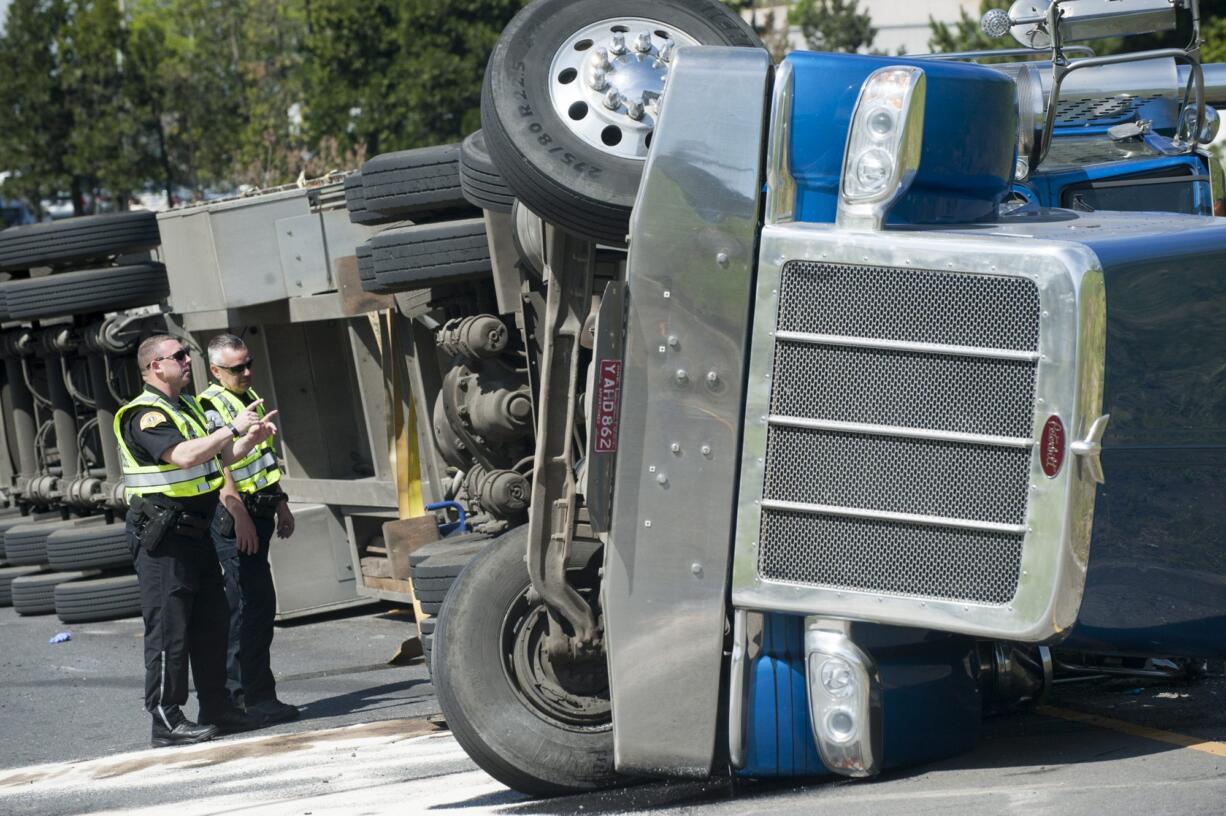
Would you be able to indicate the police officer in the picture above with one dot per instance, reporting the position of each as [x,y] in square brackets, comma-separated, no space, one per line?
[172,474]
[252,507]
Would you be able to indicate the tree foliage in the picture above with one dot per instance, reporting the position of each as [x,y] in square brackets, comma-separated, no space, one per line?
[833,25]
[120,95]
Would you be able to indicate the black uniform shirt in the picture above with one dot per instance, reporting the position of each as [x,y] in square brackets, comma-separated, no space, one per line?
[148,433]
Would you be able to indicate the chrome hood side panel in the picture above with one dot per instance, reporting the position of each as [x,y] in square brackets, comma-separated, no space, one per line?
[689,280]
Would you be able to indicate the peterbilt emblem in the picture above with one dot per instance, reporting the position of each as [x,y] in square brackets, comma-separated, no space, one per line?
[1051,446]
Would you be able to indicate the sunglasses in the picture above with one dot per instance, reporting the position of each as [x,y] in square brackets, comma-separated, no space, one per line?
[179,357]
[241,367]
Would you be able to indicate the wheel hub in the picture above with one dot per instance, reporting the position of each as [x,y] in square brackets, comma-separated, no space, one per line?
[606,81]
[573,692]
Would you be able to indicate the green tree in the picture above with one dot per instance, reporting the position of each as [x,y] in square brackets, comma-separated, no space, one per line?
[107,146]
[36,121]
[833,25]
[396,74]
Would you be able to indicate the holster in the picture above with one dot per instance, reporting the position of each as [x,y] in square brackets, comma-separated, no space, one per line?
[263,505]
[154,522]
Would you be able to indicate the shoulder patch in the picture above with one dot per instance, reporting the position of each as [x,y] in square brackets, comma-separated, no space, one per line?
[151,420]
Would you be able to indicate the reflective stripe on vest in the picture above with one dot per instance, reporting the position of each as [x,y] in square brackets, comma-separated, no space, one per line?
[167,479]
[258,469]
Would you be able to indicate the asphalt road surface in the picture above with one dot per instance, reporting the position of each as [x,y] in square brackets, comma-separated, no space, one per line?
[73,739]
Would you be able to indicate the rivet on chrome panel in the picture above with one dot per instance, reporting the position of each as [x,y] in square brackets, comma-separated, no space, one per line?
[667,294]
[651,468]
[706,450]
[712,378]
[661,479]
[682,376]
[1046,313]
[673,340]
[721,258]
[675,448]
[663,350]
[646,522]
[696,568]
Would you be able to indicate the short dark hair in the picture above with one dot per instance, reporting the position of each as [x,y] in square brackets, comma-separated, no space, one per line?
[148,349]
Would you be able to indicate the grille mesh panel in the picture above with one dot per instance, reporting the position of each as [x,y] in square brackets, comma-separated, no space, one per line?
[915,305]
[890,558]
[974,394]
[933,391]
[916,476]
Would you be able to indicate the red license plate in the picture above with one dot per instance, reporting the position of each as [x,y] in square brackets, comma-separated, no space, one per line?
[608,404]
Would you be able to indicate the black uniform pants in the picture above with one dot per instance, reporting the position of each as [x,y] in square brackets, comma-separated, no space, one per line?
[186,617]
[253,608]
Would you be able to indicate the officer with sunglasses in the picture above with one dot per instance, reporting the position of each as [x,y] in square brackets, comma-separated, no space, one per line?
[252,507]
[172,474]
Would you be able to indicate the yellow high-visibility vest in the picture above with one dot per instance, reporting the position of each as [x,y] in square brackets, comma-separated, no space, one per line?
[258,469]
[167,479]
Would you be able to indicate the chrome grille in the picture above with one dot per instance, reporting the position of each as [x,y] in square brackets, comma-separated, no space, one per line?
[918,476]
[886,557]
[942,392]
[900,433]
[914,305]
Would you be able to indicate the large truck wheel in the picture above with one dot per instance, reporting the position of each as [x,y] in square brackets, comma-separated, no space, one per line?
[568,130]
[535,724]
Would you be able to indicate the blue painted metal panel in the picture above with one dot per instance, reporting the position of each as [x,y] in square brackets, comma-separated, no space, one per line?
[970,133]
[1157,575]
[931,698]
[1049,187]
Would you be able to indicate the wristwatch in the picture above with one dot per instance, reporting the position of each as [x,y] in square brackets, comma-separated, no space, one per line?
[234,432]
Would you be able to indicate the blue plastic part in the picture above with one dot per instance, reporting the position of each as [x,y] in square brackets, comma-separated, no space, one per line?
[970,137]
[451,527]
[931,698]
[1049,187]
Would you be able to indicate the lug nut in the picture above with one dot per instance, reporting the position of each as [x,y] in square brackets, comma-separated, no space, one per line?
[634,110]
[666,51]
[597,81]
[618,44]
[642,43]
[612,99]
[600,58]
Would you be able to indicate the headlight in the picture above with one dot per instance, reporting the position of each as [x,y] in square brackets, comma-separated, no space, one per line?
[883,144]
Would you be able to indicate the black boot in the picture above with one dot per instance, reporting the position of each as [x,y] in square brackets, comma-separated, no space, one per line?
[170,727]
[230,720]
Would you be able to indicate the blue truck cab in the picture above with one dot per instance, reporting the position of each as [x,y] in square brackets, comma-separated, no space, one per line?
[916,384]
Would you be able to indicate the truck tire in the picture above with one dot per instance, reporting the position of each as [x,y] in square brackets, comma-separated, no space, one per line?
[89,547]
[7,521]
[366,264]
[475,541]
[98,599]
[89,237]
[565,155]
[90,290]
[26,544]
[35,594]
[417,185]
[537,734]
[7,575]
[355,203]
[479,179]
[419,257]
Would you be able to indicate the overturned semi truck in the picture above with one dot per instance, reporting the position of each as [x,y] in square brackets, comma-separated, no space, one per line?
[869,393]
